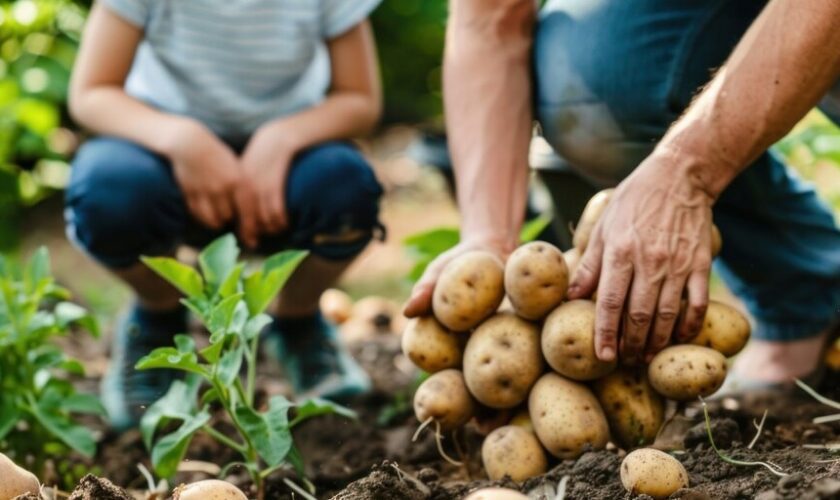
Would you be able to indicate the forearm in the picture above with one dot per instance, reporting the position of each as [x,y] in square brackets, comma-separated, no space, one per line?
[487,96]
[781,68]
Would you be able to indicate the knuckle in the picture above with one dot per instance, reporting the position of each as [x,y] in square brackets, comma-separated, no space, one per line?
[640,317]
[611,302]
[607,334]
[657,256]
[667,315]
[622,252]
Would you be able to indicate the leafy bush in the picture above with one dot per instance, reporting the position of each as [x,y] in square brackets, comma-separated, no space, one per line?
[231,305]
[37,401]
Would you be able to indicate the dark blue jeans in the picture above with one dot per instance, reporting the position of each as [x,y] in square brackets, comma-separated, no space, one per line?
[123,202]
[612,75]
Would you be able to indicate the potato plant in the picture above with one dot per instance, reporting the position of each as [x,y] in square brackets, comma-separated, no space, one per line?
[231,305]
[38,403]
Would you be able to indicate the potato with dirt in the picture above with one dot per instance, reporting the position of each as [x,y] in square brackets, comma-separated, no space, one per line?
[496,494]
[513,451]
[536,278]
[685,372]
[443,398]
[502,360]
[566,416]
[634,410]
[15,480]
[653,473]
[568,342]
[430,346]
[589,218]
[209,489]
[724,329]
[469,289]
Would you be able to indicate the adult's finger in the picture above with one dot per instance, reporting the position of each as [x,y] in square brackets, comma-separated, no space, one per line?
[272,213]
[667,312]
[616,274]
[247,217]
[585,279]
[638,315]
[420,302]
[698,301]
[205,212]
[224,208]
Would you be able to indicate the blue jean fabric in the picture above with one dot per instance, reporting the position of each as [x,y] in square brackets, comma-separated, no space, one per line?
[123,202]
[612,75]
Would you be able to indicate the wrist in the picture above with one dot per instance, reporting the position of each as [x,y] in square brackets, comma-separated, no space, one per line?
[696,166]
[178,133]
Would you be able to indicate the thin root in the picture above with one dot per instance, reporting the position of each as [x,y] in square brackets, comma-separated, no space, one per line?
[420,429]
[758,428]
[443,454]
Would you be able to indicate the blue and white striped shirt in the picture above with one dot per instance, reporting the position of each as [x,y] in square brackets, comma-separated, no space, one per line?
[235,64]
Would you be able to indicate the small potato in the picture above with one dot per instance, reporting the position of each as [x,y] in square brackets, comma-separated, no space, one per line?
[725,329]
[15,481]
[566,416]
[444,398]
[568,342]
[522,419]
[209,489]
[634,410]
[336,305]
[652,472]
[432,347]
[717,241]
[536,278]
[572,258]
[512,451]
[502,360]
[378,312]
[469,289]
[496,494]
[684,372]
[591,214]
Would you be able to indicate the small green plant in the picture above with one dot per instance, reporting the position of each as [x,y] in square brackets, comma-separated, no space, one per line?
[231,306]
[38,403]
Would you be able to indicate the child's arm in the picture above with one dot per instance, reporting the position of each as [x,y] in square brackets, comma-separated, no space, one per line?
[352,108]
[205,168]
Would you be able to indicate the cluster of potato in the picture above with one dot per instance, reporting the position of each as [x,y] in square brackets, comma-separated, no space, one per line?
[363,320]
[534,357]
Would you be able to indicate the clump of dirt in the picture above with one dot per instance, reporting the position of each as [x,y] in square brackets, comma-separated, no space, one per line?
[96,488]
[385,482]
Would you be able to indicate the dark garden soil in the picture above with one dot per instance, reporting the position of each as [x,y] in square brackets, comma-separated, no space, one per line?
[374,457]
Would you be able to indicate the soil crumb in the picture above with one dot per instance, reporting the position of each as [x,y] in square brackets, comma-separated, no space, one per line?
[385,482]
[95,488]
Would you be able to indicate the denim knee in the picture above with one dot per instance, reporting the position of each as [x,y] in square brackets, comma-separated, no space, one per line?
[333,201]
[122,202]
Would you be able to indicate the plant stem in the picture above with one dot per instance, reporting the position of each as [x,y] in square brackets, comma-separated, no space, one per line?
[218,436]
[252,371]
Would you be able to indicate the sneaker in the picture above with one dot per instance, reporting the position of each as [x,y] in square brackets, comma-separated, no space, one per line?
[315,361]
[127,392]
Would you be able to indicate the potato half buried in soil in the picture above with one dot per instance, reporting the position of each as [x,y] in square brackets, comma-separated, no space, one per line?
[496,494]
[566,416]
[444,398]
[469,289]
[503,360]
[634,410]
[15,480]
[725,329]
[513,451]
[536,278]
[209,489]
[652,472]
[568,342]
[684,372]
[432,347]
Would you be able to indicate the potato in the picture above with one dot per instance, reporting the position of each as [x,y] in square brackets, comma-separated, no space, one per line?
[432,347]
[652,472]
[717,241]
[444,398]
[209,489]
[568,342]
[469,289]
[15,481]
[502,360]
[536,279]
[522,419]
[496,494]
[591,214]
[634,410]
[512,451]
[725,329]
[684,372]
[572,258]
[377,312]
[336,305]
[566,416]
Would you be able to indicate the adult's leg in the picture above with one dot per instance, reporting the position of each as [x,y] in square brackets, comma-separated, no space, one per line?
[613,75]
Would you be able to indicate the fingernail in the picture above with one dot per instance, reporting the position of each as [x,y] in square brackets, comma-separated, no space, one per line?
[607,353]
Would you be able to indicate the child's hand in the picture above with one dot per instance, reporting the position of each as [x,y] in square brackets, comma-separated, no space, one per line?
[260,200]
[207,171]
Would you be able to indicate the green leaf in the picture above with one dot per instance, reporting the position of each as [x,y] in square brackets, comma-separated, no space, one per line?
[221,315]
[426,246]
[230,364]
[296,459]
[218,259]
[532,229]
[316,406]
[67,313]
[181,276]
[255,326]
[212,352]
[73,366]
[38,268]
[82,403]
[269,431]
[178,403]
[231,283]
[184,343]
[75,436]
[170,357]
[9,414]
[262,286]
[170,450]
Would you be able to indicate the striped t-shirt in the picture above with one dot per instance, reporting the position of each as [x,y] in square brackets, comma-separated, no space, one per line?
[235,64]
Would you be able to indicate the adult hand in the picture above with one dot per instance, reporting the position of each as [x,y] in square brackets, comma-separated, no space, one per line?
[420,302]
[651,245]
[260,197]
[207,171]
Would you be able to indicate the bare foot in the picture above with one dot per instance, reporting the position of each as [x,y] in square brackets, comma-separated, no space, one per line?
[769,361]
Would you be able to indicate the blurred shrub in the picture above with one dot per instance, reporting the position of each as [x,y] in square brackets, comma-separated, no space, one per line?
[38,42]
